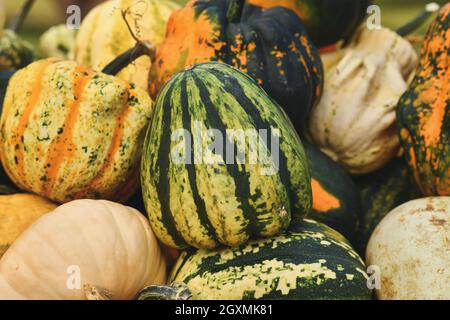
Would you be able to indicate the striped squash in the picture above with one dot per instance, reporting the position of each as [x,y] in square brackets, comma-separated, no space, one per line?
[272,46]
[68,132]
[204,200]
[103,35]
[423,113]
[336,199]
[311,261]
[381,192]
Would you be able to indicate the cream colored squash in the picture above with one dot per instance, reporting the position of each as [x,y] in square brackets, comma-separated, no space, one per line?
[411,247]
[354,123]
[103,35]
[83,244]
[58,41]
[17,213]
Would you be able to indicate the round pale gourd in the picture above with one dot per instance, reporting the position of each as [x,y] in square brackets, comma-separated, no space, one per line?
[411,248]
[17,213]
[355,121]
[81,247]
[58,41]
[103,34]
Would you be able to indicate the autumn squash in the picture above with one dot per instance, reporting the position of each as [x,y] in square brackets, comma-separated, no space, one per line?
[103,34]
[272,46]
[79,246]
[327,21]
[16,53]
[423,112]
[69,132]
[310,262]
[17,213]
[410,248]
[355,122]
[221,162]
[381,192]
[336,199]
[58,41]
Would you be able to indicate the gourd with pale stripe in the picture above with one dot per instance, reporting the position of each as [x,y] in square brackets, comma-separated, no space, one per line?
[310,262]
[423,113]
[272,46]
[58,41]
[103,35]
[199,196]
[69,132]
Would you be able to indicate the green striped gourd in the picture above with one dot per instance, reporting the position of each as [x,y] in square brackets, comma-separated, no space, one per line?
[311,261]
[202,201]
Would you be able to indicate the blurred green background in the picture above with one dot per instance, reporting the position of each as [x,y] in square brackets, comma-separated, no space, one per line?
[46,13]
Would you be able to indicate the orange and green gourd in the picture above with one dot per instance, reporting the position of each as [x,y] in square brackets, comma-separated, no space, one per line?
[68,132]
[327,21]
[272,46]
[423,113]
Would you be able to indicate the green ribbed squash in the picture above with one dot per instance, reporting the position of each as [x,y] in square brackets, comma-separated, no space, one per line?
[336,198]
[201,201]
[381,192]
[311,261]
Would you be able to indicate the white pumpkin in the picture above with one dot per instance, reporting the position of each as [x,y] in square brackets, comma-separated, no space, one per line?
[411,246]
[83,244]
[58,41]
[354,123]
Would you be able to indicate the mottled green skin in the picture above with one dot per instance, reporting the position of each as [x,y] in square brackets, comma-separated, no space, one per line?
[15,53]
[205,204]
[338,183]
[310,262]
[381,192]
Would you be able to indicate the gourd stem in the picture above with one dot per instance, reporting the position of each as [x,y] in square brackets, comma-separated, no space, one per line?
[122,61]
[18,21]
[419,20]
[234,11]
[174,292]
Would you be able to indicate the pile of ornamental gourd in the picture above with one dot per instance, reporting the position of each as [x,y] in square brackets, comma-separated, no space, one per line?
[227,149]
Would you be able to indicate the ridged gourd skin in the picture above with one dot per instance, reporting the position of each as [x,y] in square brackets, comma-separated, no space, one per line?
[272,46]
[355,121]
[423,113]
[15,53]
[17,213]
[410,246]
[311,261]
[336,199]
[103,34]
[327,21]
[206,203]
[381,192]
[68,132]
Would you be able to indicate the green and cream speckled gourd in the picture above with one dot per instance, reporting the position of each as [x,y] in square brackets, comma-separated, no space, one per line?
[355,121]
[411,248]
[309,262]
[58,41]
[82,247]
[69,132]
[207,197]
[103,34]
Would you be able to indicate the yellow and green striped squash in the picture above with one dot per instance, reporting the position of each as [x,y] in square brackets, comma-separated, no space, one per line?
[68,132]
[15,53]
[104,35]
[311,261]
[204,203]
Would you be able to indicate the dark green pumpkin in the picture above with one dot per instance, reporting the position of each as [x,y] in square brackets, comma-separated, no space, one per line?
[381,192]
[310,262]
[336,199]
[191,201]
[272,46]
[423,112]
[327,21]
